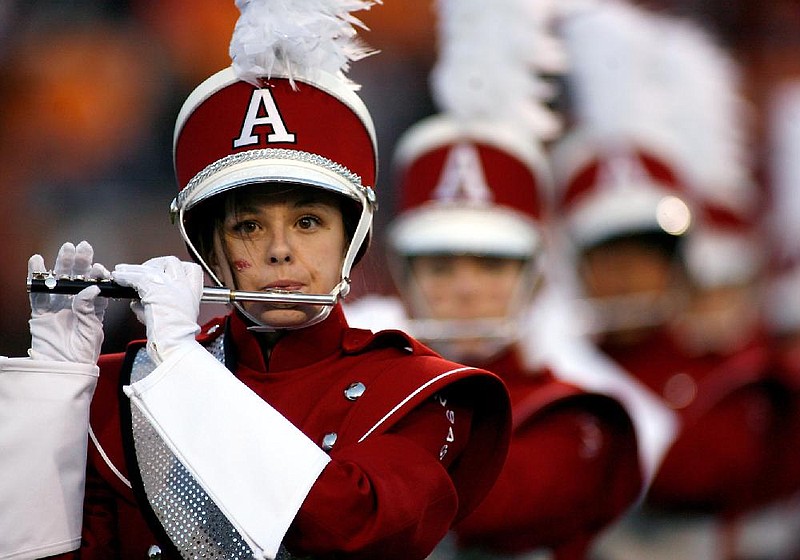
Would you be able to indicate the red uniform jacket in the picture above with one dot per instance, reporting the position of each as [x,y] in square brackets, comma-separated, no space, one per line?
[727,406]
[572,468]
[393,495]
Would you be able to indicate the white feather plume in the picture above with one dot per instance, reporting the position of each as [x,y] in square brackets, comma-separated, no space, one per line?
[611,48]
[297,37]
[491,57]
[709,114]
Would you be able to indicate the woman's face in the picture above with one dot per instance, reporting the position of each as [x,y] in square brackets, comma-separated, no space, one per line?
[466,287]
[284,239]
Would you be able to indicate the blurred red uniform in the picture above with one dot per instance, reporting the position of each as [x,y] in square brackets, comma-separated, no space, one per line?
[572,468]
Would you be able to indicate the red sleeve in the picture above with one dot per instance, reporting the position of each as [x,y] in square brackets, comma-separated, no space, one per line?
[555,488]
[390,496]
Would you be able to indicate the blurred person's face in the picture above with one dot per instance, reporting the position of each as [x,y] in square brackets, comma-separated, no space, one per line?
[466,287]
[623,269]
[632,286]
[467,301]
[290,240]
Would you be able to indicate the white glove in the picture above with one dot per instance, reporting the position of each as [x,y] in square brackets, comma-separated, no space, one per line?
[68,328]
[169,292]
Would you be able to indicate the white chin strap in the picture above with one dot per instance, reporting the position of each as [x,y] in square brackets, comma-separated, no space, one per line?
[367,200]
[495,334]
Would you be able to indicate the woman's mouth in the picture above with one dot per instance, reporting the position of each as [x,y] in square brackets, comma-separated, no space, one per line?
[283,287]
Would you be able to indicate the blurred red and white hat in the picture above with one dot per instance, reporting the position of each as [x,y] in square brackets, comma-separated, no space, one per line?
[474,179]
[712,119]
[617,170]
[609,193]
[477,188]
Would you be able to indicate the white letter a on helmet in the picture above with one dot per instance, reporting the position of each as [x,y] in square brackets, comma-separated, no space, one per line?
[462,177]
[272,117]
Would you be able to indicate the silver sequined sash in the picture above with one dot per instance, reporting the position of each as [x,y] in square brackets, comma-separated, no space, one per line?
[191,519]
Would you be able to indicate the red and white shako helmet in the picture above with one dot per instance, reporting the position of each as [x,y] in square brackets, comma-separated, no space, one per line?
[299,131]
[476,188]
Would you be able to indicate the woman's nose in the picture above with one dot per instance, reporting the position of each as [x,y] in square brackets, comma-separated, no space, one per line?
[274,259]
[465,283]
[279,250]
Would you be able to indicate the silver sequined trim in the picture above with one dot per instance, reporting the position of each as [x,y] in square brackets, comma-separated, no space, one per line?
[273,153]
[192,520]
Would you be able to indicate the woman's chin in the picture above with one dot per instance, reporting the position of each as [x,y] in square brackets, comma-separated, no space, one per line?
[283,317]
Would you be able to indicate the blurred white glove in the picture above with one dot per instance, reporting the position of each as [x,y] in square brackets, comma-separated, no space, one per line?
[68,328]
[169,292]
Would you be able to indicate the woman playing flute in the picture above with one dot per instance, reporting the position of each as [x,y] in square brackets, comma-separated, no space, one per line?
[275,430]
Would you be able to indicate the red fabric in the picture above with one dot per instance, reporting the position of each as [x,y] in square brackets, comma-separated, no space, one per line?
[728,410]
[571,470]
[390,495]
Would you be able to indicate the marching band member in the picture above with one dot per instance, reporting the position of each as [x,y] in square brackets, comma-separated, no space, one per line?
[275,431]
[468,251]
[654,138]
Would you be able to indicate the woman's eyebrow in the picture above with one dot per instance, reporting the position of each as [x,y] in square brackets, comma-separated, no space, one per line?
[247,208]
[310,202]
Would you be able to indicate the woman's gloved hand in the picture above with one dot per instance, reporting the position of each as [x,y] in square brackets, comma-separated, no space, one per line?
[169,304]
[68,328]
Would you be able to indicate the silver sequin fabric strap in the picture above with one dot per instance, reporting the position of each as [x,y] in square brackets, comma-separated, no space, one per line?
[191,519]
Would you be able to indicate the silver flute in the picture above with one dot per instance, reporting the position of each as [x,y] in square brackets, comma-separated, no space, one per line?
[48,282]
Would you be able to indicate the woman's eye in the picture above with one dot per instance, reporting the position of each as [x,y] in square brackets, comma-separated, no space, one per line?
[245,227]
[308,222]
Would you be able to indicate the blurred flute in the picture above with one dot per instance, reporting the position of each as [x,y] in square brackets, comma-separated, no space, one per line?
[47,282]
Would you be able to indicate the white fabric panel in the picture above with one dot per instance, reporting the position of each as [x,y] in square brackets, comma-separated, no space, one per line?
[44,422]
[256,465]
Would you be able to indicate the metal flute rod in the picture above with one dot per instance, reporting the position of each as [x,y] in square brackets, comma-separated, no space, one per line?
[48,283]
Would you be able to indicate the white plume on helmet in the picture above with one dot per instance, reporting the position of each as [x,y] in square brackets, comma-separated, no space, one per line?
[712,120]
[293,38]
[487,85]
[490,63]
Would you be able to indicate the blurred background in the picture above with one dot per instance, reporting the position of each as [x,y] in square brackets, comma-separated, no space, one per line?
[90,90]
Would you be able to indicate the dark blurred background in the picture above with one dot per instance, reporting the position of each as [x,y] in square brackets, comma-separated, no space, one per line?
[90,90]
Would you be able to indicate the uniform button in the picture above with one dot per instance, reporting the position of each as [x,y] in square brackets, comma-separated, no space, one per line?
[354,391]
[328,441]
[154,552]
[680,391]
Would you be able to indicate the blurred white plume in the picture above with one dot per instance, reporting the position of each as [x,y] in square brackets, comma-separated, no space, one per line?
[491,59]
[611,48]
[709,114]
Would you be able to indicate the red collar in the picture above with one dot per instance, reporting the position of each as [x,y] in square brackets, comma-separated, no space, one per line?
[296,348]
